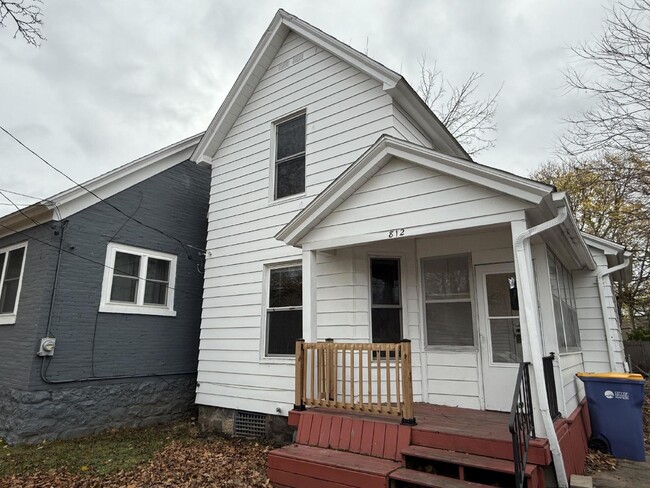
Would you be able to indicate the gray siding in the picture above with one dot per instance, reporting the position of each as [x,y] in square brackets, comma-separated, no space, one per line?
[174,201]
[101,345]
[18,341]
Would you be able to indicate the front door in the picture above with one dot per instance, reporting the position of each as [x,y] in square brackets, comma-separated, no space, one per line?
[500,333]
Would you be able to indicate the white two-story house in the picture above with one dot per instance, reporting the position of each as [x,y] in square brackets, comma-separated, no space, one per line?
[341,208]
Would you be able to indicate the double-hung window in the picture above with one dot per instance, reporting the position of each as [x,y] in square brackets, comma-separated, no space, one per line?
[138,281]
[290,157]
[283,310]
[12,263]
[448,306]
[564,306]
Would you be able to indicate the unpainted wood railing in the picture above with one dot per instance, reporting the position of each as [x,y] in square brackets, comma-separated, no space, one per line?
[368,377]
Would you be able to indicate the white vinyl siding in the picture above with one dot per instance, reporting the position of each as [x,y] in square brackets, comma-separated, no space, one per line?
[570,364]
[346,113]
[593,328]
[403,195]
[407,129]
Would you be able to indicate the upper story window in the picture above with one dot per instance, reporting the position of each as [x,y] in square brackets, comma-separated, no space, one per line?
[138,281]
[564,306]
[448,305]
[12,264]
[290,157]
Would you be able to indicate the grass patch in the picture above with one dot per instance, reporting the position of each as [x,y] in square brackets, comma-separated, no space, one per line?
[101,454]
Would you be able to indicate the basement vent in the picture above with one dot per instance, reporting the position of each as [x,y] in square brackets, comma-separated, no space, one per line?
[249,424]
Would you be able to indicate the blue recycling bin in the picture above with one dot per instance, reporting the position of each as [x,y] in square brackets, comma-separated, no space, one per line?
[615,403]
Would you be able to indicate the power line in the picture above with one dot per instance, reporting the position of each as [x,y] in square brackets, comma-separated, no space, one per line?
[21,211]
[67,251]
[23,194]
[94,194]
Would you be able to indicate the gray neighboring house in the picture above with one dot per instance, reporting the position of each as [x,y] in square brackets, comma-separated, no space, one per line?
[100,314]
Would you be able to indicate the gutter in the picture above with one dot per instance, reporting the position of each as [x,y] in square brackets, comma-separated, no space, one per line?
[527,283]
[601,292]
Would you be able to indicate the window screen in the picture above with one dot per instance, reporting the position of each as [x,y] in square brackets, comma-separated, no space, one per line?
[564,306]
[448,308]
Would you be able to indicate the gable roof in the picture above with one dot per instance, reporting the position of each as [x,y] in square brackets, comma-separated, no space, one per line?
[283,22]
[75,199]
[388,147]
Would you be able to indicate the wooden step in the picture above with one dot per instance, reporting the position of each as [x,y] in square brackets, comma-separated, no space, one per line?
[538,451]
[411,477]
[298,466]
[464,459]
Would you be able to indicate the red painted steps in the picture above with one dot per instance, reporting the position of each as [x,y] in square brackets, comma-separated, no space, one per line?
[410,478]
[299,466]
[469,467]
[538,451]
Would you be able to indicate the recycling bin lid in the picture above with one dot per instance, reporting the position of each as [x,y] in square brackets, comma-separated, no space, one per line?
[612,376]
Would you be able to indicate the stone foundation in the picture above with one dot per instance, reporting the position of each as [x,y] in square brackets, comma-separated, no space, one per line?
[81,409]
[222,421]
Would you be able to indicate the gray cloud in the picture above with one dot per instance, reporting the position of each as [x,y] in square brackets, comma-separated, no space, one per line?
[118,79]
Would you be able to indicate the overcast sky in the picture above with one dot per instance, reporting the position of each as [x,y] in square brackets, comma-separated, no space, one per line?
[117,79]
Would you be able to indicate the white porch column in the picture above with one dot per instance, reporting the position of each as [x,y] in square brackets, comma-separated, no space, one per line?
[309,296]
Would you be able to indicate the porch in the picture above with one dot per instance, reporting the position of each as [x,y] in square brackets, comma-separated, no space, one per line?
[448,447]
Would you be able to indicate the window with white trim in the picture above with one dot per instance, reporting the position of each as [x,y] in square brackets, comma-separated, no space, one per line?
[564,306]
[12,264]
[138,281]
[283,310]
[448,305]
[289,157]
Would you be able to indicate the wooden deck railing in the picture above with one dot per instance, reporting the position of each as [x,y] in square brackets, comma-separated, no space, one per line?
[372,377]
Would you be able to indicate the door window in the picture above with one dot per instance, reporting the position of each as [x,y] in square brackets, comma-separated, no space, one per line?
[386,300]
[503,318]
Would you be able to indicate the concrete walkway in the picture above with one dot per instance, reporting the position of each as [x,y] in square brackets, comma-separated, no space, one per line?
[628,474]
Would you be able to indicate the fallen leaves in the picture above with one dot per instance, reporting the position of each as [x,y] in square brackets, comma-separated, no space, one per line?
[211,462]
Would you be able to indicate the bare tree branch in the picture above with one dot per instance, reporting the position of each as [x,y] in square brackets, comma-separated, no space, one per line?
[468,118]
[27,17]
[618,80]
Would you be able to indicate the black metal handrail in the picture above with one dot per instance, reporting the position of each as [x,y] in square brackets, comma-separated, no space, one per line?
[549,382]
[521,423]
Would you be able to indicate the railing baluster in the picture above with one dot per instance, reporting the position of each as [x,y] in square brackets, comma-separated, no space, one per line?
[317,377]
[521,423]
[351,375]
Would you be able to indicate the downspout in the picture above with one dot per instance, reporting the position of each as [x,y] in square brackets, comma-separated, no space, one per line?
[527,285]
[601,292]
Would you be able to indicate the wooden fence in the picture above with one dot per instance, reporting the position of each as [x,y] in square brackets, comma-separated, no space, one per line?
[639,353]
[370,377]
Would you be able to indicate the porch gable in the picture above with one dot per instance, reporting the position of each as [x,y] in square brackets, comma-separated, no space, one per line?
[399,189]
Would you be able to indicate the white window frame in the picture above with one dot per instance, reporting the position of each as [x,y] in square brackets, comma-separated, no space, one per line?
[560,269]
[266,296]
[471,300]
[139,307]
[272,171]
[10,318]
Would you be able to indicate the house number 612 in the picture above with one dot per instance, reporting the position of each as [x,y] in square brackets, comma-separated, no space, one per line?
[395,233]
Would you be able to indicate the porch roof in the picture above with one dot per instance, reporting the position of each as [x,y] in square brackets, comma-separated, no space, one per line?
[528,192]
